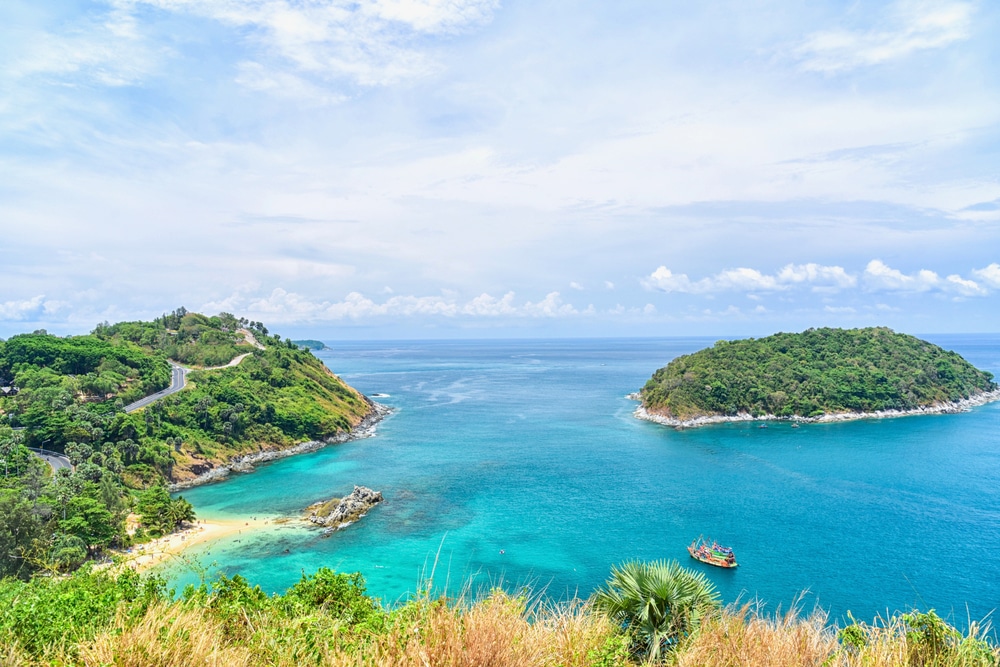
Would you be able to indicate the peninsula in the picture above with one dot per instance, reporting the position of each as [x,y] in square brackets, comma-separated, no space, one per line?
[817,375]
[136,409]
[247,396]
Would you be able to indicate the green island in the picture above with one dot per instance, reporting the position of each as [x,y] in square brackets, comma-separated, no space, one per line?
[819,374]
[64,602]
[310,344]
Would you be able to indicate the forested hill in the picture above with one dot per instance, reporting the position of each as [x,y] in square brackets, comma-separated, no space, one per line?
[70,394]
[819,371]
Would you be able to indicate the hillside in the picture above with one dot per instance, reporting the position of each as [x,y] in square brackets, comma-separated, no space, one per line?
[811,374]
[72,391]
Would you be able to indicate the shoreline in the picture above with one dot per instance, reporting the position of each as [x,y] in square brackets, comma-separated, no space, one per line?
[948,407]
[245,463]
[143,557]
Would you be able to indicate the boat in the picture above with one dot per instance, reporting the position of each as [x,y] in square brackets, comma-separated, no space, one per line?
[712,553]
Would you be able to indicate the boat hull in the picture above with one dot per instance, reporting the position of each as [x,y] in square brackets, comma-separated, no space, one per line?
[710,560]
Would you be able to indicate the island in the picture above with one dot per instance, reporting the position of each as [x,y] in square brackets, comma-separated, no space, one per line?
[311,344]
[821,374]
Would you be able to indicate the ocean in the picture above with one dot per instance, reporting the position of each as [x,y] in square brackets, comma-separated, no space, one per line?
[518,463]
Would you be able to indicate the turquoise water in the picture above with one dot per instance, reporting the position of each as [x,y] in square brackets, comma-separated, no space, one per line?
[519,462]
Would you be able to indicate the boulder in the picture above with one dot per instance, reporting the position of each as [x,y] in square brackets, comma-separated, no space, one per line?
[336,514]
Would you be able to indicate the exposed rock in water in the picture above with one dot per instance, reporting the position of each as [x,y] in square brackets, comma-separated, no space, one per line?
[339,513]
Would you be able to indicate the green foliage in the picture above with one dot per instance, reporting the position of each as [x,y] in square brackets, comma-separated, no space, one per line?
[160,513]
[811,373]
[658,602]
[189,338]
[340,595]
[71,397]
[49,612]
[68,552]
[22,536]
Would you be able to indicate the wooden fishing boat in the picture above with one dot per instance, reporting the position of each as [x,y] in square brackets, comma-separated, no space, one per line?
[712,553]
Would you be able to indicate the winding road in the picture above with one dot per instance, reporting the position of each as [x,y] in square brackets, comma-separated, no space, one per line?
[54,459]
[178,379]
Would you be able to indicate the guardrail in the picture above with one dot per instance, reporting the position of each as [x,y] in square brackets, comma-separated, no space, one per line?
[47,452]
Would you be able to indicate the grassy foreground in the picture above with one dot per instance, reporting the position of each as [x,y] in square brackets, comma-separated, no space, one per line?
[327,619]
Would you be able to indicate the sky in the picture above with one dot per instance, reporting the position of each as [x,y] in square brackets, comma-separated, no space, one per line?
[484,168]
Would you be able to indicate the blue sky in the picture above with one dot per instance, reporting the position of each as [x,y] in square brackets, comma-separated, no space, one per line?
[441,168]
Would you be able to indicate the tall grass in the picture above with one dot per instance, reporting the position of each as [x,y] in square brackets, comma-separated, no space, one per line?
[327,619]
[744,636]
[498,631]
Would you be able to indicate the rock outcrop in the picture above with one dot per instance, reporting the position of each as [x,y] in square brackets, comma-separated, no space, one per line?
[336,514]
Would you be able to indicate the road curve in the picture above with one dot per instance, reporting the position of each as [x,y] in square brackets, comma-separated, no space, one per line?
[178,379]
[54,459]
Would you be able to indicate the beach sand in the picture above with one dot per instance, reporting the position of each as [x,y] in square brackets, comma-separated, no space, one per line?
[142,557]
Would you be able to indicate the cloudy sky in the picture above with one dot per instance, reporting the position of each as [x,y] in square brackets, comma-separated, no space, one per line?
[442,168]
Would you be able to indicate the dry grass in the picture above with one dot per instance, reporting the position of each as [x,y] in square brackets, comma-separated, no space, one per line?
[743,636]
[498,631]
[165,637]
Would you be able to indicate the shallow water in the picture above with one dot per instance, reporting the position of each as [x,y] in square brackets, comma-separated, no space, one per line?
[519,462]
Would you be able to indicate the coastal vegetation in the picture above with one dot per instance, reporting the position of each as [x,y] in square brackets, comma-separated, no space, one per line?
[69,395]
[813,373]
[124,619]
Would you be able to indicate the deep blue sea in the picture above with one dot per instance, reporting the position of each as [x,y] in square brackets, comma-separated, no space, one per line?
[518,462]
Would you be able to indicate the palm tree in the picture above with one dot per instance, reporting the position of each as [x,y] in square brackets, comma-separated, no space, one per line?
[659,602]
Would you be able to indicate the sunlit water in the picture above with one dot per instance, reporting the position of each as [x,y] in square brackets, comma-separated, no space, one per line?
[519,462]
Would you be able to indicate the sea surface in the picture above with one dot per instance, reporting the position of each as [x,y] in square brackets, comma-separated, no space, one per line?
[518,463]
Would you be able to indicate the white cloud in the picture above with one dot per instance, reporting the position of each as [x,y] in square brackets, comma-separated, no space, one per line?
[284,306]
[831,276]
[964,287]
[371,43]
[743,279]
[989,275]
[484,304]
[915,26]
[108,51]
[752,280]
[879,276]
[27,309]
[550,306]
[575,285]
[666,280]
[609,285]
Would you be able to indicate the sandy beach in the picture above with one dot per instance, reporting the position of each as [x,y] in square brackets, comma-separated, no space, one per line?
[145,556]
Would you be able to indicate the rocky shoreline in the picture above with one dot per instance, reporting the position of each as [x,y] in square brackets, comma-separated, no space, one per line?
[245,463]
[947,407]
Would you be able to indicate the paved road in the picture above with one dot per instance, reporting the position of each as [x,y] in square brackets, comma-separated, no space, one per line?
[177,381]
[54,459]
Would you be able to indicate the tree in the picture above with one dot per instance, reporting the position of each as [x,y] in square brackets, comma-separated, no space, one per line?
[160,514]
[659,602]
[21,532]
[89,520]
[67,552]
[10,442]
